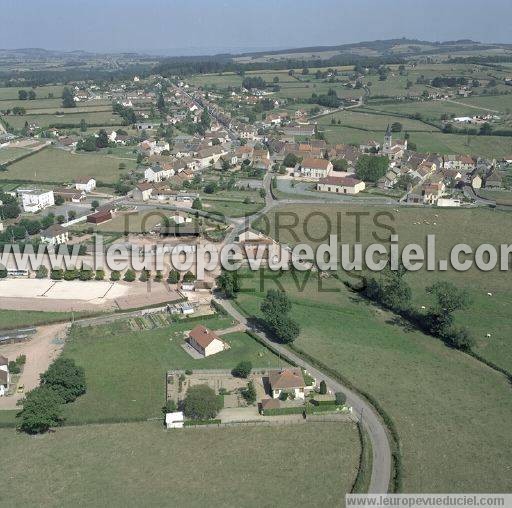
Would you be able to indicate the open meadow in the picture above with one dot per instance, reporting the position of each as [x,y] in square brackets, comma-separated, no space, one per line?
[55,165]
[448,407]
[118,465]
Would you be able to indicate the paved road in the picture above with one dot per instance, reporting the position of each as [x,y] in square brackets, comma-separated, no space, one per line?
[381,466]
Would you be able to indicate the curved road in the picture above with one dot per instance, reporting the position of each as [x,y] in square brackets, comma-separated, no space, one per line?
[381,464]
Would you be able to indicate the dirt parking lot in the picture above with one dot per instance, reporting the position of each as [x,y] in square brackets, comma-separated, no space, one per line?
[40,350]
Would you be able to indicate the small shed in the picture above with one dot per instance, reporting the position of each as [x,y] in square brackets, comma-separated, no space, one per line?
[174,420]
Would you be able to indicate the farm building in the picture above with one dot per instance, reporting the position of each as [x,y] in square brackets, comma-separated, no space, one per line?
[99,217]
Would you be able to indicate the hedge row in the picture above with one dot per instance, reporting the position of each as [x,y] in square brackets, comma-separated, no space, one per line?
[363,476]
[193,423]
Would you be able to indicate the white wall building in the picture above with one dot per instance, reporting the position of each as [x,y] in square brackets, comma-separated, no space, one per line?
[35,200]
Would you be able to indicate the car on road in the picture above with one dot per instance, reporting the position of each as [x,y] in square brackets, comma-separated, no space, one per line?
[20,389]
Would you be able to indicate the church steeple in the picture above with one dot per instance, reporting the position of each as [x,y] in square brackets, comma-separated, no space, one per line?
[388,138]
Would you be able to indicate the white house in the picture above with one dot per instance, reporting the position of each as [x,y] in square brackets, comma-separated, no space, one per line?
[35,200]
[315,168]
[54,235]
[174,420]
[207,155]
[85,183]
[287,380]
[158,173]
[5,377]
[340,185]
[205,341]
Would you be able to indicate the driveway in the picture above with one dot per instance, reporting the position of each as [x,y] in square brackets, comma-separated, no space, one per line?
[40,351]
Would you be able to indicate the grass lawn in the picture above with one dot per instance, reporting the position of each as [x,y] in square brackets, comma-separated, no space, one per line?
[128,465]
[10,319]
[125,369]
[231,208]
[448,408]
[55,165]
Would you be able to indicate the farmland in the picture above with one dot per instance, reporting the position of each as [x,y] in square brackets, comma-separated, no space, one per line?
[430,391]
[125,369]
[102,465]
[56,165]
[427,388]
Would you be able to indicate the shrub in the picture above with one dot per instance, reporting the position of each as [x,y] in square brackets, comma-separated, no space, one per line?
[56,274]
[173,277]
[129,275]
[188,372]
[323,387]
[249,393]
[169,407]
[201,403]
[115,276]
[340,398]
[144,276]
[243,369]
[42,409]
[100,275]
[65,378]
[13,367]
[42,272]
[21,359]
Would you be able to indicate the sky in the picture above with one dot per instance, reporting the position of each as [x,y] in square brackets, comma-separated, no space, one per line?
[188,27]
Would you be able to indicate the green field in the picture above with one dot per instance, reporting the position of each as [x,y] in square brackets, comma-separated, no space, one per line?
[120,465]
[9,154]
[449,408]
[231,208]
[11,93]
[502,197]
[103,118]
[366,120]
[125,370]
[56,165]
[434,141]
[10,319]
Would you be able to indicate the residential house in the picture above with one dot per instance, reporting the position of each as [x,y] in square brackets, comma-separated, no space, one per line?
[340,185]
[158,173]
[85,183]
[69,194]
[476,181]
[493,180]
[290,380]
[55,235]
[315,168]
[207,155]
[432,191]
[205,341]
[142,191]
